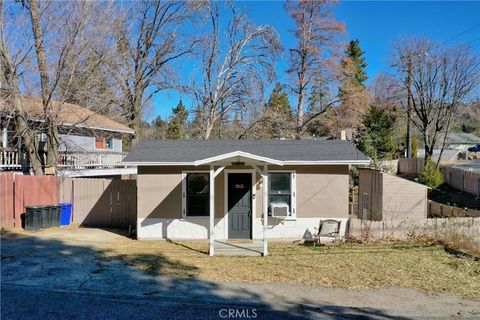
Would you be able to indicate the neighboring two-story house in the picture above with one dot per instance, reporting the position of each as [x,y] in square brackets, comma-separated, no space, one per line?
[90,144]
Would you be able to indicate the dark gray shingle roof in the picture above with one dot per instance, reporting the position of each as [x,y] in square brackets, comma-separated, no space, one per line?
[166,151]
[461,138]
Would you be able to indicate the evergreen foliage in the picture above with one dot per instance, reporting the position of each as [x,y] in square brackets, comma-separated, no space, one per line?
[431,175]
[355,54]
[278,101]
[376,138]
[176,126]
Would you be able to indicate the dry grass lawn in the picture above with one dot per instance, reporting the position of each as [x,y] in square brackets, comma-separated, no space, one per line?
[348,265]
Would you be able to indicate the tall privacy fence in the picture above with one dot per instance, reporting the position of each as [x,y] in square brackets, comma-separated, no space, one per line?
[96,202]
[460,179]
[410,166]
[466,181]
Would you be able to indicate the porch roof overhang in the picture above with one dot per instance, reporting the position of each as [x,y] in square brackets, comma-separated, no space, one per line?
[249,158]
[238,156]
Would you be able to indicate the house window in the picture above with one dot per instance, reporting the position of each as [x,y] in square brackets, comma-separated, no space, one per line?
[281,190]
[102,143]
[196,194]
[99,143]
[109,144]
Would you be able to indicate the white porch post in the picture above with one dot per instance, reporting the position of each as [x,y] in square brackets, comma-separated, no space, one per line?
[265,208]
[4,137]
[212,210]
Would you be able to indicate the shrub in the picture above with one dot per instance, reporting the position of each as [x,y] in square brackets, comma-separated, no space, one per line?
[431,175]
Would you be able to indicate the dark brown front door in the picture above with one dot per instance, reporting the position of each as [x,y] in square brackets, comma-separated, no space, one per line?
[239,205]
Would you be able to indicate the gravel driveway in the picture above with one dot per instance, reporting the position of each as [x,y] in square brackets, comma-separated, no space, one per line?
[60,273]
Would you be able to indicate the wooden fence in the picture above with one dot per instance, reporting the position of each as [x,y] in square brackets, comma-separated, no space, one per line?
[440,210]
[7,207]
[19,191]
[96,202]
[410,166]
[101,202]
[466,181]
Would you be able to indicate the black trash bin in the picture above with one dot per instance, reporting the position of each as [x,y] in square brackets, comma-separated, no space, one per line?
[55,211]
[33,218]
[46,216]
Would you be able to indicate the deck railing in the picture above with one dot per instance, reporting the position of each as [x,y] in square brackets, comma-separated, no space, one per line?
[10,159]
[90,160]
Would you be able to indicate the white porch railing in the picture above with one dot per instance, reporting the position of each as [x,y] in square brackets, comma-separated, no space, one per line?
[10,159]
[90,160]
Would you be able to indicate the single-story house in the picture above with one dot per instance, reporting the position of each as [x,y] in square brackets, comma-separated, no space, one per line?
[448,155]
[240,189]
[457,140]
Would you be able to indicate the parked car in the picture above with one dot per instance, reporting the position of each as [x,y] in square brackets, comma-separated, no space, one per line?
[474,148]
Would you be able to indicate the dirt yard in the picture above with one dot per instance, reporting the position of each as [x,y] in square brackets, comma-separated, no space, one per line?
[355,266]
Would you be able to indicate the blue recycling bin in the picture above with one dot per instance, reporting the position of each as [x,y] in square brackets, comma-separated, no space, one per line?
[65,214]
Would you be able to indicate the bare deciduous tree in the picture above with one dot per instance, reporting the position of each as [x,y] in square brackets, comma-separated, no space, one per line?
[61,36]
[441,78]
[237,63]
[147,41]
[10,94]
[315,31]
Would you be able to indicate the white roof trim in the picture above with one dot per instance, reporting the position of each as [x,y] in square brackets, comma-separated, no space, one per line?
[326,162]
[153,163]
[238,154]
[288,162]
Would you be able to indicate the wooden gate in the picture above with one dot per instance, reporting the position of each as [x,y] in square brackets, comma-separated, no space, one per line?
[101,202]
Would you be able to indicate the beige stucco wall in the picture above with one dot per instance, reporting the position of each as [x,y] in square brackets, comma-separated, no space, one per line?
[322,191]
[159,192]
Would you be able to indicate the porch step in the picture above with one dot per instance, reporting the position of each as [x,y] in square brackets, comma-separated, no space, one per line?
[236,248]
[237,252]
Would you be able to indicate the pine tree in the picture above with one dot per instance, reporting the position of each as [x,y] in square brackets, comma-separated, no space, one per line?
[352,93]
[158,128]
[278,114]
[376,138]
[176,126]
[278,101]
[355,54]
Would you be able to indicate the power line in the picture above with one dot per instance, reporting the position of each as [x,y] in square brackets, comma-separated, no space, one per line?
[462,33]
[472,43]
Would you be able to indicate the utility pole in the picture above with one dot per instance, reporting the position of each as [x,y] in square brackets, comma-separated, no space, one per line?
[409,105]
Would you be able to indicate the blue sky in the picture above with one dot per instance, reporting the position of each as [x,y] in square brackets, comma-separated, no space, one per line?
[377,24]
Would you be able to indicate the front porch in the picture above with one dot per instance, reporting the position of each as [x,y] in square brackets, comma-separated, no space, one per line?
[238,248]
[258,165]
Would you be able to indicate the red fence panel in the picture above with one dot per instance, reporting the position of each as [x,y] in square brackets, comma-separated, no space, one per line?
[6,200]
[33,190]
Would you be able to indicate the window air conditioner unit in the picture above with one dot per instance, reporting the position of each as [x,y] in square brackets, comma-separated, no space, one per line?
[279,210]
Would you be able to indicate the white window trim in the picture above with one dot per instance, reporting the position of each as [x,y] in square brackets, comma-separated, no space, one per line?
[184,194]
[293,194]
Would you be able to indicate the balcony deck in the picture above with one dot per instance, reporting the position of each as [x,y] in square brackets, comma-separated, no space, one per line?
[74,163]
